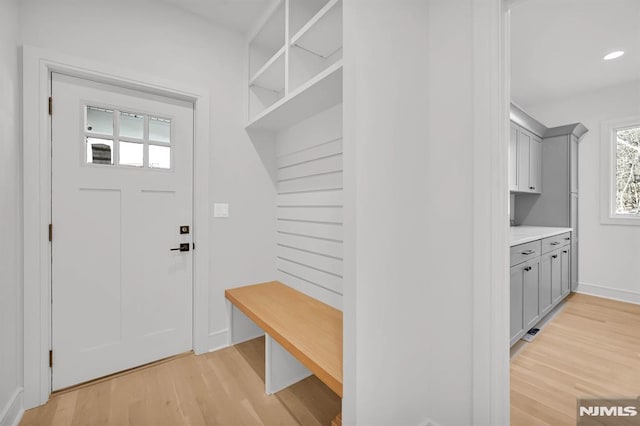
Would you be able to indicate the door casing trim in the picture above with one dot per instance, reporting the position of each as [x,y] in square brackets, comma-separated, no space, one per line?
[37,67]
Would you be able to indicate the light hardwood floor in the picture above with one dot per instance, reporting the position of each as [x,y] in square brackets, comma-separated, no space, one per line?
[590,349]
[220,388]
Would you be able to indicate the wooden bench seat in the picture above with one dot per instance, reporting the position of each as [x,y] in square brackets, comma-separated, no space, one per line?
[307,328]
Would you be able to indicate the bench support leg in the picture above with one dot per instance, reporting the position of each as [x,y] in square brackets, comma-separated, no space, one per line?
[241,328]
[281,369]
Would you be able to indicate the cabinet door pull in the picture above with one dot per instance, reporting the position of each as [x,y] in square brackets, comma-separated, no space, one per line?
[528,268]
[528,252]
[567,238]
[555,243]
[564,251]
[555,256]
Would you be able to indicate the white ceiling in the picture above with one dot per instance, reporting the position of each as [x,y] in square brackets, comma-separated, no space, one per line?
[557,47]
[238,15]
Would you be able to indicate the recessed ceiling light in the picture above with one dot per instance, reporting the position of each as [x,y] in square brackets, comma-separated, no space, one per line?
[613,55]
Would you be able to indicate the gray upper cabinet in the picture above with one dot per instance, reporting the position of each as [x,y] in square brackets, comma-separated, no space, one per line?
[513,158]
[525,161]
[535,165]
[557,205]
[525,152]
[573,154]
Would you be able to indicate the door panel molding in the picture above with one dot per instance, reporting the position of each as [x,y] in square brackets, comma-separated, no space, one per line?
[38,64]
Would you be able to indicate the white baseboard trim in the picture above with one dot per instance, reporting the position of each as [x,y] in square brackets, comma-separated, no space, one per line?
[218,340]
[609,293]
[12,413]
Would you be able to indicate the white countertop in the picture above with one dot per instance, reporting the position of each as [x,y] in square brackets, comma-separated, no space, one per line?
[525,234]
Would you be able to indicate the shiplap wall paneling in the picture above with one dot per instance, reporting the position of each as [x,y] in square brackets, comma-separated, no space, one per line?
[310,206]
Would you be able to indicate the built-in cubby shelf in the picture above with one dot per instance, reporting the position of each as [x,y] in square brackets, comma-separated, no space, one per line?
[271,75]
[322,35]
[318,94]
[295,62]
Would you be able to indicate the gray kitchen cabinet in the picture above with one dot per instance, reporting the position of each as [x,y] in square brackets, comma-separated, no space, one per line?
[565,267]
[556,276]
[513,157]
[546,279]
[574,163]
[525,161]
[516,304]
[539,280]
[524,308]
[530,284]
[557,205]
[535,165]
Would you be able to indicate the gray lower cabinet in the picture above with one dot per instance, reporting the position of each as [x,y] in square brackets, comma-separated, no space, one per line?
[538,281]
[556,276]
[517,303]
[525,310]
[546,282]
[531,285]
[565,280]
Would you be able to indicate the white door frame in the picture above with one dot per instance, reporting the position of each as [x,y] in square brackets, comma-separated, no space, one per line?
[492,99]
[491,85]
[37,67]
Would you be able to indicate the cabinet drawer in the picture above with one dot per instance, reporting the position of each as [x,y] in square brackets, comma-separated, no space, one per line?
[555,242]
[523,252]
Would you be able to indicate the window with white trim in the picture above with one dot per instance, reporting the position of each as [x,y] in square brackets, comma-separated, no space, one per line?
[621,180]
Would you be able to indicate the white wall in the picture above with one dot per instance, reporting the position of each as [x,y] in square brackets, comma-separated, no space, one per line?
[10,217]
[154,38]
[408,170]
[608,262]
[309,215]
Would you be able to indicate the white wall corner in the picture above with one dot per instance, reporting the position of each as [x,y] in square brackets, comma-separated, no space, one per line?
[218,340]
[609,293]
[12,413]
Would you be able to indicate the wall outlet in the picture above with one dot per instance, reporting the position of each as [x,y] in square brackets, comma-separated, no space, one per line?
[220,210]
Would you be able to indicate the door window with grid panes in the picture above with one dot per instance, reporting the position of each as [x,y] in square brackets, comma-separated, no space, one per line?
[125,138]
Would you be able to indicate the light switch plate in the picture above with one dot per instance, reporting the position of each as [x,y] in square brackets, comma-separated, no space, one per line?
[220,210]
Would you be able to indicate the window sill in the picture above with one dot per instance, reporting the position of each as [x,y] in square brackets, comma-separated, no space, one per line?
[627,220]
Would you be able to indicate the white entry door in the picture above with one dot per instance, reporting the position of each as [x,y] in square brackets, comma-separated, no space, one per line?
[121,193]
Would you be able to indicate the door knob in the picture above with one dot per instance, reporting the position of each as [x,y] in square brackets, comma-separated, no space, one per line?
[183,247]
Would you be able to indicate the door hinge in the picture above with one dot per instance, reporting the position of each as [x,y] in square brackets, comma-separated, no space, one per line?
[50,232]
[51,359]
[50,105]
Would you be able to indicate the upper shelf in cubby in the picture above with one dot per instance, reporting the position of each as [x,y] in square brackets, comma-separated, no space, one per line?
[322,35]
[321,92]
[271,75]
